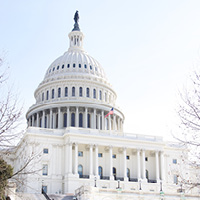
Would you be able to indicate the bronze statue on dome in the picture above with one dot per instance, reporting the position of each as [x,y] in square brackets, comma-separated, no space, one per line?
[76,17]
[76,25]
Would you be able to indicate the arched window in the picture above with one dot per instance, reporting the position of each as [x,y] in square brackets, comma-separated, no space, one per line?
[59,92]
[100,169]
[94,93]
[80,171]
[47,97]
[100,95]
[43,96]
[105,97]
[73,91]
[73,119]
[128,172]
[88,92]
[65,120]
[63,66]
[80,120]
[57,67]
[147,174]
[52,94]
[56,120]
[88,120]
[66,91]
[114,172]
[80,92]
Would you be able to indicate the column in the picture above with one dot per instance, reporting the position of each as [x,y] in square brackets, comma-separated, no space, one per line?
[77,118]
[98,121]
[125,165]
[66,168]
[162,166]
[94,119]
[54,120]
[76,159]
[43,119]
[86,112]
[68,117]
[122,125]
[109,123]
[37,122]
[51,114]
[111,162]
[59,118]
[157,166]
[96,161]
[138,165]
[91,161]
[103,120]
[32,120]
[143,165]
[29,121]
[118,123]
[70,158]
[114,122]
[48,121]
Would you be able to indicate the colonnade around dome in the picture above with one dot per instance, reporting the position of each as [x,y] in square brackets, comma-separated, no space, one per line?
[75,116]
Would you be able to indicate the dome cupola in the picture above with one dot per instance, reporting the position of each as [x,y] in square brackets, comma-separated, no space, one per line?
[75,92]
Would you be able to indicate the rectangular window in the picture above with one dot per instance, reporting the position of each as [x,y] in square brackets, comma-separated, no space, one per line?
[174,161]
[114,156]
[100,155]
[146,158]
[80,154]
[127,157]
[175,179]
[45,170]
[46,151]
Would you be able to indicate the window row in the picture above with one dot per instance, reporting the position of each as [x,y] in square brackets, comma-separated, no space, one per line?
[73,93]
[100,155]
[100,172]
[73,66]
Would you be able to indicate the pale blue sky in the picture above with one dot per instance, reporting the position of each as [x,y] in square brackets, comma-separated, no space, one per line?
[147,48]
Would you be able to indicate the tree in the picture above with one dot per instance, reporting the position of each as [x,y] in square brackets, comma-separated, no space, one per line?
[189,115]
[6,172]
[10,114]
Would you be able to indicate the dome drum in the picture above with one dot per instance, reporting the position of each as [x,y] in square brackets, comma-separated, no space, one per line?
[81,116]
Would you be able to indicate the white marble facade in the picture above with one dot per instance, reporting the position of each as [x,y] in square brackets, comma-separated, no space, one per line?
[78,147]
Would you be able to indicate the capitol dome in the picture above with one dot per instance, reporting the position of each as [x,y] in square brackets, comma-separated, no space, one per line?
[75,92]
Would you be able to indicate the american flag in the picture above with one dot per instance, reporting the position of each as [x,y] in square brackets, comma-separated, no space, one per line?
[110,112]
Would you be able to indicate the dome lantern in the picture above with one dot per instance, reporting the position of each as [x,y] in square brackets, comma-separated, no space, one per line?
[76,36]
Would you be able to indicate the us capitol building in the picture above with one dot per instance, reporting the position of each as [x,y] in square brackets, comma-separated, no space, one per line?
[81,154]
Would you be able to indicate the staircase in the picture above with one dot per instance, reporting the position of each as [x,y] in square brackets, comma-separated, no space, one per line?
[60,197]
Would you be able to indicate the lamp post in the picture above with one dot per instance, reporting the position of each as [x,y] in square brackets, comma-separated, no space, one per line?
[140,185]
[160,186]
[161,191]
[95,181]
[118,184]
